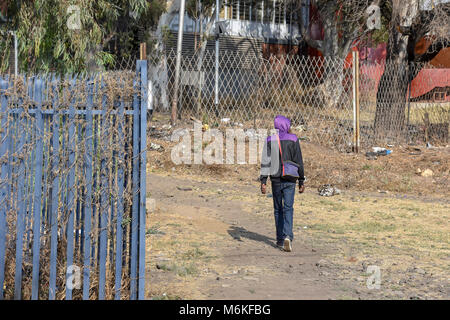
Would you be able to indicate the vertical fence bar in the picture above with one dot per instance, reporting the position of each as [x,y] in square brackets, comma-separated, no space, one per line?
[103,212]
[95,209]
[70,192]
[20,223]
[37,189]
[46,127]
[11,136]
[88,200]
[55,189]
[143,162]
[32,168]
[120,199]
[3,188]
[135,193]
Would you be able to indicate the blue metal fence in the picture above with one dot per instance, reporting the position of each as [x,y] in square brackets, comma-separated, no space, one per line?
[72,186]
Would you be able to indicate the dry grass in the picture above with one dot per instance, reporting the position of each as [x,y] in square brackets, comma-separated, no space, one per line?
[393,173]
[396,234]
[182,251]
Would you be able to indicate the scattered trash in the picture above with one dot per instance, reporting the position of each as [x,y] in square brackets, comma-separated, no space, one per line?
[225,120]
[371,156]
[429,146]
[205,127]
[377,151]
[157,147]
[328,190]
[427,173]
[166,126]
[381,151]
[184,189]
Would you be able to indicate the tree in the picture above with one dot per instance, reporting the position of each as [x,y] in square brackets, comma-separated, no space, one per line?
[343,23]
[159,70]
[410,22]
[72,36]
[197,10]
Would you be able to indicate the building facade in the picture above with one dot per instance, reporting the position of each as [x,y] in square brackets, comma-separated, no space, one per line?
[260,25]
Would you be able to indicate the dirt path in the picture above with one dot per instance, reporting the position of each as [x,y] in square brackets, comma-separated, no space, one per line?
[251,267]
[212,238]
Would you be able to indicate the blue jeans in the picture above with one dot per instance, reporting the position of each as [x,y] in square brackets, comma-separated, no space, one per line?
[283,205]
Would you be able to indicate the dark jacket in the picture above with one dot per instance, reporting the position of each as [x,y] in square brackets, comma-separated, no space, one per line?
[290,148]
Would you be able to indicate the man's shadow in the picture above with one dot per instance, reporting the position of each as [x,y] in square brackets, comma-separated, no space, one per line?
[238,232]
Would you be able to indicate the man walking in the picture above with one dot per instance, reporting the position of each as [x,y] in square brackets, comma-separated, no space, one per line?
[282,161]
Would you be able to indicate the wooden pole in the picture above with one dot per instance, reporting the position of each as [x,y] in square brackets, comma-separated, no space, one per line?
[143,51]
[357,104]
[355,69]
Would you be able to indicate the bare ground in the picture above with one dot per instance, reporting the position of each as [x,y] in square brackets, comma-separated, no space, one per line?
[215,240]
[211,235]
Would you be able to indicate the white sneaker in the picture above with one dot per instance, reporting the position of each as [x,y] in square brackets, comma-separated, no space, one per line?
[287,245]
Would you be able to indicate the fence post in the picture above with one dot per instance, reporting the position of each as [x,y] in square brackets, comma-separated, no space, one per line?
[143,51]
[135,190]
[4,165]
[178,63]
[55,189]
[88,195]
[142,189]
[355,69]
[37,189]
[103,210]
[20,222]
[71,185]
[120,204]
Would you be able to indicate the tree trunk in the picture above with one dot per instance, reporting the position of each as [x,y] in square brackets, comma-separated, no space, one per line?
[393,86]
[330,91]
[391,101]
[201,54]
[158,72]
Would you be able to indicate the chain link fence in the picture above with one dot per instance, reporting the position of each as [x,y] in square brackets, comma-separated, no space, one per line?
[406,103]
[316,93]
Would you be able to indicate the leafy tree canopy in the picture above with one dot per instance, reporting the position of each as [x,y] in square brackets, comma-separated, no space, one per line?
[70,36]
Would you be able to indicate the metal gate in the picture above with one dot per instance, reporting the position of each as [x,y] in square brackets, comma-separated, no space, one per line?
[72,186]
